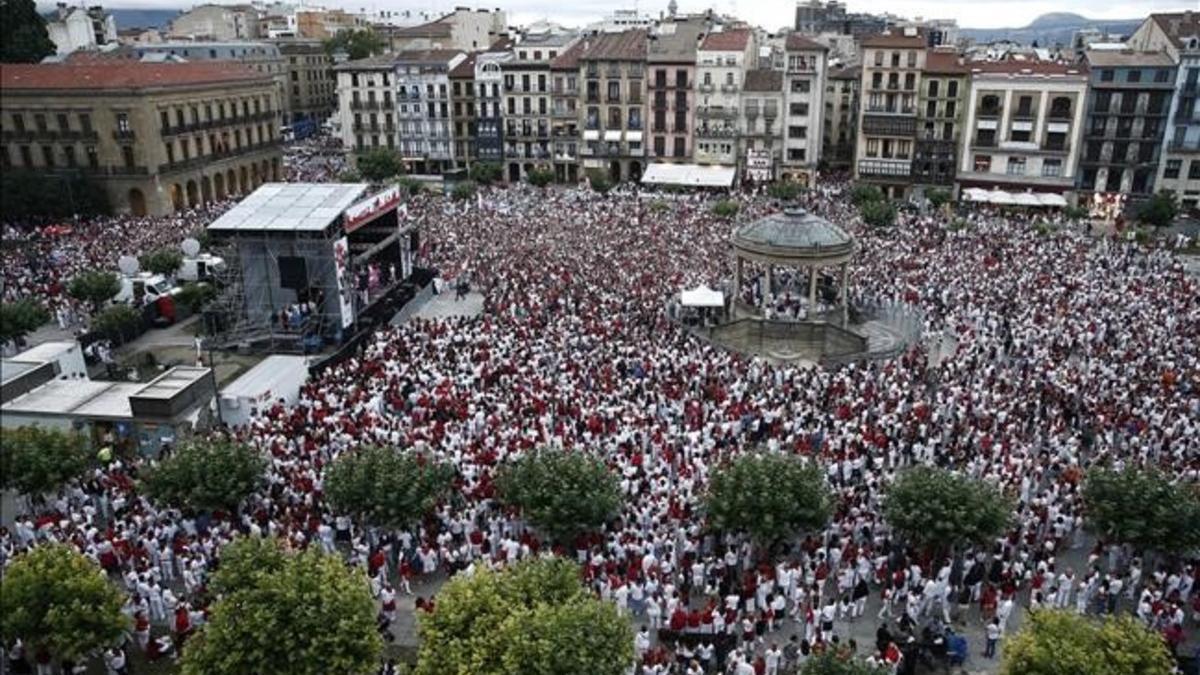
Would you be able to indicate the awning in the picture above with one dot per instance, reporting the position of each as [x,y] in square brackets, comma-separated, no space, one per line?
[1013,198]
[693,175]
[612,136]
[591,135]
[633,136]
[1051,199]
[702,296]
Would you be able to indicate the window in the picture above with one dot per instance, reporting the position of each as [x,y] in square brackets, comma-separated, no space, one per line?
[1051,168]
[170,152]
[164,120]
[1134,75]
[950,108]
[26,156]
[1172,168]
[1060,107]
[912,59]
[18,122]
[1106,75]
[797,132]
[878,58]
[1056,140]
[1020,135]
[910,81]
[933,88]
[1016,166]
[931,109]
[796,154]
[800,86]
[681,79]
[660,146]
[92,156]
[952,88]
[39,122]
[877,80]
[983,163]
[47,156]
[798,109]
[680,149]
[1194,170]
[68,153]
[127,155]
[85,122]
[63,124]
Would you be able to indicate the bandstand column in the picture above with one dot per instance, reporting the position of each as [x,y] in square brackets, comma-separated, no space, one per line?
[842,293]
[812,292]
[769,287]
[737,284]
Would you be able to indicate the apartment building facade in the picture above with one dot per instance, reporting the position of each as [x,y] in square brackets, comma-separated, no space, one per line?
[425,125]
[463,104]
[1023,127]
[721,64]
[760,126]
[369,105]
[564,110]
[841,117]
[1178,36]
[887,129]
[527,102]
[940,107]
[671,70]
[1129,100]
[158,137]
[804,89]
[311,88]
[489,99]
[612,72]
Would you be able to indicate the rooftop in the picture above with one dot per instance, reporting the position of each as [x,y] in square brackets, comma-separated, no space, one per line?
[1178,25]
[381,62]
[1028,68]
[290,207]
[850,72]
[627,45]
[433,29]
[937,61]
[427,56]
[764,79]
[795,235]
[796,43]
[121,74]
[568,60]
[675,42]
[465,68]
[1115,58]
[894,40]
[734,40]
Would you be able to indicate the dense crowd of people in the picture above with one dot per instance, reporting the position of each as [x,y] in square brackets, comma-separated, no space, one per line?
[1068,351]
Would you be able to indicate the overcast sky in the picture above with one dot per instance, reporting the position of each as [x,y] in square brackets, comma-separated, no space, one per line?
[770,14]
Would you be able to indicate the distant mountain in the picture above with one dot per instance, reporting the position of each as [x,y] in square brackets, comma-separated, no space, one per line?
[142,18]
[1050,29]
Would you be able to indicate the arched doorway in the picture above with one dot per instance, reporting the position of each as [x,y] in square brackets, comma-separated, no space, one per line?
[254,179]
[219,185]
[193,194]
[137,202]
[206,193]
[176,196]
[231,182]
[266,171]
[514,172]
[244,181]
[614,171]
[275,169]
[635,171]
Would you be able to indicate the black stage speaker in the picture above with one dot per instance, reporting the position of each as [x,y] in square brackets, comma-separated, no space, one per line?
[293,272]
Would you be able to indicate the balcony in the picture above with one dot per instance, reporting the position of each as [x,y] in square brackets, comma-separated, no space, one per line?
[729,88]
[1023,115]
[364,105]
[891,110]
[1184,147]
[888,126]
[989,113]
[705,88]
[124,135]
[716,132]
[984,142]
[886,168]
[128,171]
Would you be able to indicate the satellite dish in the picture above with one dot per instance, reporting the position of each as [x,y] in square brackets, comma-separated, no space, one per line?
[190,247]
[128,265]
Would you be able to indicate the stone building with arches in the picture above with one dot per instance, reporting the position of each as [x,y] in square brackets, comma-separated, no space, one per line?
[159,137]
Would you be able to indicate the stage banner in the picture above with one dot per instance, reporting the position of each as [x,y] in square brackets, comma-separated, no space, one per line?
[370,208]
[345,285]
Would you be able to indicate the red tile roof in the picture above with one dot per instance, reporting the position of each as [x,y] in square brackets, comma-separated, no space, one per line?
[568,60]
[627,45]
[796,42]
[944,62]
[465,70]
[894,40]
[727,41]
[120,74]
[764,80]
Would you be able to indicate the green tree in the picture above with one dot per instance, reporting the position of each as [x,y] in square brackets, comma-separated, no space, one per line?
[23,34]
[56,599]
[485,173]
[1160,210]
[61,195]
[531,617]
[386,488]
[879,214]
[463,191]
[659,206]
[306,614]
[784,191]
[357,44]
[726,208]
[35,460]
[246,561]
[20,318]
[772,497]
[831,663]
[564,494]
[939,197]
[863,193]
[1053,642]
[1143,508]
[1075,212]
[410,185]
[600,181]
[118,322]
[94,287]
[939,510]
[379,164]
[540,177]
[164,261]
[195,295]
[206,475]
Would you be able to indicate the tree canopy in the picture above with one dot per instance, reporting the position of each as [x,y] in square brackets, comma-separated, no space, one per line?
[379,164]
[206,475]
[937,509]
[20,318]
[463,191]
[532,617]
[301,613]
[486,173]
[772,497]
[784,190]
[23,34]
[94,287]
[35,460]
[1160,210]
[564,494]
[358,43]
[540,177]
[35,194]
[386,488]
[1143,508]
[831,663]
[165,261]
[726,208]
[1051,642]
[863,193]
[54,598]
[878,213]
[119,322]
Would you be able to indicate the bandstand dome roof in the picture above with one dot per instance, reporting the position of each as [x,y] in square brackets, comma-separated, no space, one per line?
[794,236]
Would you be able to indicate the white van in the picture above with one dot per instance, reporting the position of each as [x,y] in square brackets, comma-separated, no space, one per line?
[200,267]
[143,288]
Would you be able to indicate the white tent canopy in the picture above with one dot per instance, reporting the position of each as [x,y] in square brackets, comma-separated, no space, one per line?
[702,296]
[693,175]
[1013,198]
